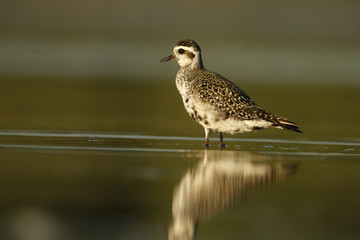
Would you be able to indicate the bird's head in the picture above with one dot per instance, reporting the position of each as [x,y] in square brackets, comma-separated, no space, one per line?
[186,53]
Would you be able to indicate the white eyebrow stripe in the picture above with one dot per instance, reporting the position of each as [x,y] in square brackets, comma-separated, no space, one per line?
[185,48]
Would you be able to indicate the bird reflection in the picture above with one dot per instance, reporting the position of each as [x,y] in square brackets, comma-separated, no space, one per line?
[218,182]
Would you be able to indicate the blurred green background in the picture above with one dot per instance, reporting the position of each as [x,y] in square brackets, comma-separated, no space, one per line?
[94,65]
[277,41]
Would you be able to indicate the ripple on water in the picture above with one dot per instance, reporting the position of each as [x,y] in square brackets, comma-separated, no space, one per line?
[112,142]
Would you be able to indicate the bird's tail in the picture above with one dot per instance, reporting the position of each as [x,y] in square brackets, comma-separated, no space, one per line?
[286,124]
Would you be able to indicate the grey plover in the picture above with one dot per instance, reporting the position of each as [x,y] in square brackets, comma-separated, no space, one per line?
[215,102]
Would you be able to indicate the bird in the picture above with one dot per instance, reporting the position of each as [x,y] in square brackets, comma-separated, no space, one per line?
[215,102]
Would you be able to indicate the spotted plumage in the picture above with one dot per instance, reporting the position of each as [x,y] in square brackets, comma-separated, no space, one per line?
[215,102]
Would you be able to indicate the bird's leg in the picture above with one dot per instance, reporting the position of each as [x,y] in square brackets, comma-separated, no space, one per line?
[207,136]
[222,140]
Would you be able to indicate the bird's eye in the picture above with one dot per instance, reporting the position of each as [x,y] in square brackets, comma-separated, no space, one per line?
[181,51]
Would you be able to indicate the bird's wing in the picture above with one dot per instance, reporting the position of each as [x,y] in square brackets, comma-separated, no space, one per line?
[225,96]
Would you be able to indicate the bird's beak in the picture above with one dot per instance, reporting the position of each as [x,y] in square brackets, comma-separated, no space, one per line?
[165,59]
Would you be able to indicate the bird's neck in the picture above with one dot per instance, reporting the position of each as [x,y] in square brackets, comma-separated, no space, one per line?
[198,63]
[195,65]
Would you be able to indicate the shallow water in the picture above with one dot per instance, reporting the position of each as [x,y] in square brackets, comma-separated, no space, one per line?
[90,185]
[90,160]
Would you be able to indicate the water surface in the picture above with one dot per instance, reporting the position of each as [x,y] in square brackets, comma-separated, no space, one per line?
[91,185]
